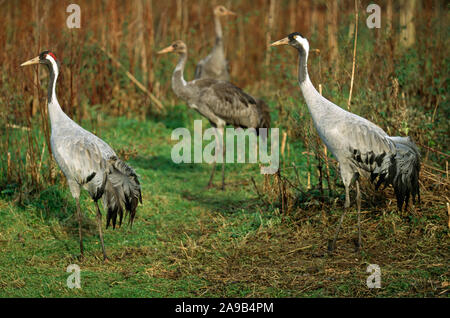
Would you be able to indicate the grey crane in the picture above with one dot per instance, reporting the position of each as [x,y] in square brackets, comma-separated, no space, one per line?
[361,147]
[88,162]
[218,101]
[215,65]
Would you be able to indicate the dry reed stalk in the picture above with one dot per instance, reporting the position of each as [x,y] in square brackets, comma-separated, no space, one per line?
[296,173]
[354,56]
[261,198]
[150,43]
[332,27]
[433,150]
[282,194]
[180,19]
[270,23]
[8,168]
[308,163]
[283,143]
[448,213]
[17,127]
[292,14]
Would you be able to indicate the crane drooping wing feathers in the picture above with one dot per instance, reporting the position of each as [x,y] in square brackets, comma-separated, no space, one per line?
[390,160]
[122,191]
[407,168]
[82,160]
[231,103]
[264,111]
[93,165]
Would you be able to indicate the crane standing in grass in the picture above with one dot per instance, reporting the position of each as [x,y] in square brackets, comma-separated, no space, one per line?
[360,146]
[218,101]
[88,162]
[215,65]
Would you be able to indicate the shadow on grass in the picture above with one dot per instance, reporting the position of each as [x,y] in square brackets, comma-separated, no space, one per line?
[215,200]
[49,203]
[162,163]
[175,118]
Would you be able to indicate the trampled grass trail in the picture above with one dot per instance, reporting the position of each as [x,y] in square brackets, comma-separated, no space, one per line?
[191,242]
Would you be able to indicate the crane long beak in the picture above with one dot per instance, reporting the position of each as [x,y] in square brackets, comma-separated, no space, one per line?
[31,62]
[166,50]
[284,41]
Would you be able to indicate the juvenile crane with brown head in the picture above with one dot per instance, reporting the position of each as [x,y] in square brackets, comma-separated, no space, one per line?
[221,102]
[215,65]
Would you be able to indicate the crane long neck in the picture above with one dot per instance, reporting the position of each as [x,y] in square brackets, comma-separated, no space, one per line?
[303,76]
[317,104]
[179,84]
[55,112]
[218,29]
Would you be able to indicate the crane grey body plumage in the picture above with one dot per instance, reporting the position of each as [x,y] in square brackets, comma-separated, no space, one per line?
[88,162]
[221,102]
[360,146]
[215,64]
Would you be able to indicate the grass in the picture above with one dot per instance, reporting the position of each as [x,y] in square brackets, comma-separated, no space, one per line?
[192,242]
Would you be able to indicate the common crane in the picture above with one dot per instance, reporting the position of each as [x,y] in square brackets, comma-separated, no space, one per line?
[360,146]
[215,64]
[218,101]
[88,162]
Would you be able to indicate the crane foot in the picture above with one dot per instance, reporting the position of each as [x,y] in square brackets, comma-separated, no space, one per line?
[331,246]
[358,245]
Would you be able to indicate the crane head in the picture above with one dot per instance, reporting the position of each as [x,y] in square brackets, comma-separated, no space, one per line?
[46,57]
[222,11]
[176,47]
[294,39]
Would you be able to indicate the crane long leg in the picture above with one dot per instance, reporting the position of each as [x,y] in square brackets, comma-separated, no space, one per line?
[223,169]
[358,203]
[216,155]
[347,204]
[347,197]
[99,224]
[212,175]
[217,152]
[222,148]
[79,226]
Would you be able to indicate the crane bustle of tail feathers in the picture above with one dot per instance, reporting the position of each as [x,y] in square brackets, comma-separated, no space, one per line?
[122,191]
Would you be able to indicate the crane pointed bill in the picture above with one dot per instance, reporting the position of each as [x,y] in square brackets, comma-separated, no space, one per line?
[31,62]
[284,41]
[166,50]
